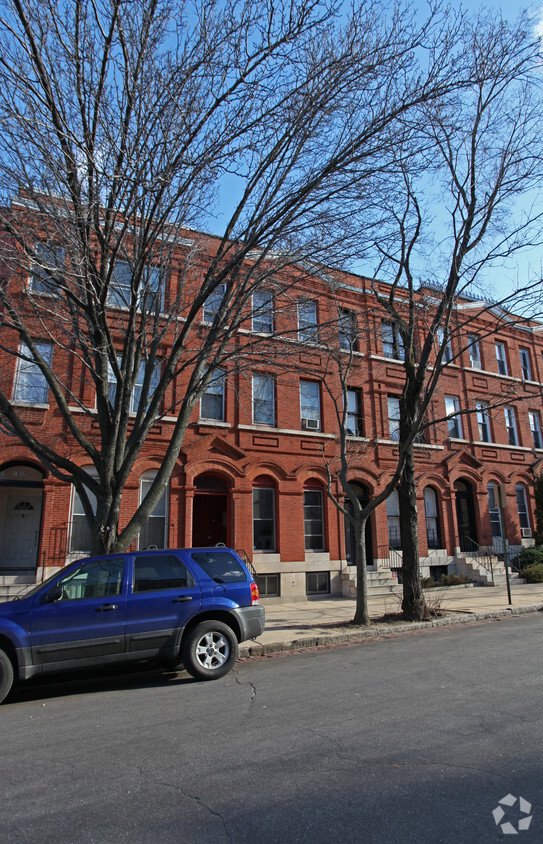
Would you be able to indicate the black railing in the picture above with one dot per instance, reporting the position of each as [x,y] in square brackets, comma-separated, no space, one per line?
[241,552]
[479,554]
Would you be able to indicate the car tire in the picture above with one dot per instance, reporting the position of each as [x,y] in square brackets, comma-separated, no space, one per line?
[6,675]
[209,650]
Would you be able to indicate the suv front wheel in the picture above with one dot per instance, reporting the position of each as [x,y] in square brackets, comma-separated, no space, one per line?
[210,650]
[6,675]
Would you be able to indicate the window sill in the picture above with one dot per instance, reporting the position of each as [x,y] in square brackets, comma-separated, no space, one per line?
[36,405]
[502,445]
[213,423]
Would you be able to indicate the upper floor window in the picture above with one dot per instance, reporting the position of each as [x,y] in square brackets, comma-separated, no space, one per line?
[474,352]
[30,383]
[212,402]
[525,364]
[310,405]
[511,425]
[393,346]
[501,359]
[307,321]
[445,343]
[47,266]
[353,416]
[393,403]
[153,532]
[213,303]
[149,294]
[347,330]
[262,312]
[483,422]
[454,422]
[136,394]
[263,399]
[535,427]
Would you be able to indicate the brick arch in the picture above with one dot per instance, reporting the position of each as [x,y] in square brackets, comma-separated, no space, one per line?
[272,469]
[213,466]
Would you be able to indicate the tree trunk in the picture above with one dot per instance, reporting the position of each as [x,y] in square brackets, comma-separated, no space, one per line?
[361,615]
[413,607]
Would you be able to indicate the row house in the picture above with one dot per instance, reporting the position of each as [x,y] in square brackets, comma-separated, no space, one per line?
[252,471]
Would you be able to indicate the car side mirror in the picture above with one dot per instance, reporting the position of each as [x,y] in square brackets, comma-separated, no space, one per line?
[53,594]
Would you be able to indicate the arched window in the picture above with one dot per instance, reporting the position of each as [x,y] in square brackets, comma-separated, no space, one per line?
[493,509]
[393,520]
[80,532]
[153,531]
[314,538]
[522,507]
[432,517]
[264,532]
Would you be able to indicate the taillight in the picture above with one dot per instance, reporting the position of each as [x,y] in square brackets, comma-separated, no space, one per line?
[255,594]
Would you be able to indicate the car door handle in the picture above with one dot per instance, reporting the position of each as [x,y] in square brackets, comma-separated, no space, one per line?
[107,607]
[182,599]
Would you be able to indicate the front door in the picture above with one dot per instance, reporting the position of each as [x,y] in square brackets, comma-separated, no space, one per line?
[209,520]
[21,530]
[465,517]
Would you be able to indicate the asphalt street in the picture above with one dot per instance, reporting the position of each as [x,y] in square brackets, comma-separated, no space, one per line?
[406,738]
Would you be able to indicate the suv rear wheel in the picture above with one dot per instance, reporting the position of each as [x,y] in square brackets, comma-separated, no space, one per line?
[210,650]
[6,675]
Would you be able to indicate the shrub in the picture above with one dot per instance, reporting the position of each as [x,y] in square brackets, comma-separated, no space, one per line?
[529,557]
[445,580]
[533,574]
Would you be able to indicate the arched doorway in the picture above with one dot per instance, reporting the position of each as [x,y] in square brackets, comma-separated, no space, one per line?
[21,501]
[363,494]
[210,512]
[465,515]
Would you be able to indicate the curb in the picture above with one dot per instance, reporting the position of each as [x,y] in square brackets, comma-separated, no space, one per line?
[257,649]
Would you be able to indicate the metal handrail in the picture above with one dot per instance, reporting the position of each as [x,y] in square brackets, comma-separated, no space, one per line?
[241,552]
[470,546]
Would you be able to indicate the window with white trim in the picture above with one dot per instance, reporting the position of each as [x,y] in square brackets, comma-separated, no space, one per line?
[307,321]
[525,364]
[212,402]
[313,520]
[535,427]
[447,347]
[483,422]
[30,383]
[153,532]
[501,358]
[213,303]
[393,405]
[353,417]
[262,311]
[474,352]
[393,520]
[511,425]
[263,399]
[263,518]
[149,294]
[136,394]
[391,339]
[80,531]
[493,509]
[522,508]
[454,422]
[432,518]
[310,405]
[347,330]
[47,267]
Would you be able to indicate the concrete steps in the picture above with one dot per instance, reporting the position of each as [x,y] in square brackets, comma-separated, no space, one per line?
[13,585]
[380,582]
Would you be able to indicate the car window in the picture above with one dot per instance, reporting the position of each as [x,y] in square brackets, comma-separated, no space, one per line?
[161,571]
[220,566]
[95,579]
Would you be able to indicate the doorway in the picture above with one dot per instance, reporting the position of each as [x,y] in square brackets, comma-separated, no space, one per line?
[21,501]
[210,512]
[465,515]
[363,495]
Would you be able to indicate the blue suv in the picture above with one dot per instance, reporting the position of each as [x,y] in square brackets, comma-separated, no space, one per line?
[177,605]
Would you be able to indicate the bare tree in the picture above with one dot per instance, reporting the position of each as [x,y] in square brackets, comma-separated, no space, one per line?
[122,122]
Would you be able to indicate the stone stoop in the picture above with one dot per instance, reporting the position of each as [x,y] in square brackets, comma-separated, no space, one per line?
[470,567]
[380,582]
[13,585]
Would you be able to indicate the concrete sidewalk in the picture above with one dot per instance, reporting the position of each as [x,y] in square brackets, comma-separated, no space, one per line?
[303,624]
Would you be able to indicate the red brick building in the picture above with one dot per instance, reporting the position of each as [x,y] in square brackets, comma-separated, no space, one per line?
[252,469]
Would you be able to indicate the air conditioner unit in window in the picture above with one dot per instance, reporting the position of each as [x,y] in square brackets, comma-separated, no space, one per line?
[526,533]
[311,424]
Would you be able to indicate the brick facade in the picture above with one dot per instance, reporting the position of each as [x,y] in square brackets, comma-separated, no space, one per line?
[224,461]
